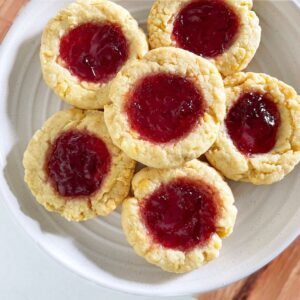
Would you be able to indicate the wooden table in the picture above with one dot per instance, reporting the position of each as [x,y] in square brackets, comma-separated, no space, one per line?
[280,280]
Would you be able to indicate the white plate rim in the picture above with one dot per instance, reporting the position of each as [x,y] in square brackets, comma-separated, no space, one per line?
[288,234]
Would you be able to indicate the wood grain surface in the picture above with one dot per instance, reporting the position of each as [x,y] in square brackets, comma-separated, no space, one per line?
[8,11]
[280,280]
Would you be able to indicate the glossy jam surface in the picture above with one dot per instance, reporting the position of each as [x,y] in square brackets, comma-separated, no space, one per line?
[252,123]
[164,107]
[94,52]
[206,27]
[77,163]
[181,214]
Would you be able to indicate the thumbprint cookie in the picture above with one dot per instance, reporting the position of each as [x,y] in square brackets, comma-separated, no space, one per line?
[166,108]
[177,217]
[227,32]
[259,140]
[85,46]
[73,168]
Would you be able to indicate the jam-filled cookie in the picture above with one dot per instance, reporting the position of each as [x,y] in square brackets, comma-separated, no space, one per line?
[166,108]
[73,168]
[225,31]
[259,140]
[85,46]
[177,217]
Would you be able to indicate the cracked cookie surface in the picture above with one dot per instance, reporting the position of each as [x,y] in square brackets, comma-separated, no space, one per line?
[201,73]
[264,168]
[82,93]
[235,56]
[116,182]
[146,183]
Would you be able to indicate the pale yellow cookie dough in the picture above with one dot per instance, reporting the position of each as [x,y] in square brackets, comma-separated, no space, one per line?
[174,61]
[234,59]
[144,184]
[260,168]
[83,94]
[115,186]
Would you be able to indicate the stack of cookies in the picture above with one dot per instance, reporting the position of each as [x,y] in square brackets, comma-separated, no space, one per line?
[168,109]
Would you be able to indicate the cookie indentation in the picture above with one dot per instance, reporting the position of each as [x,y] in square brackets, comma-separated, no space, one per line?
[77,163]
[206,27]
[252,123]
[94,52]
[164,107]
[181,214]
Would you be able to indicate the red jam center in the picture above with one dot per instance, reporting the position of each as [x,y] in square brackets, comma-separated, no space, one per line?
[164,107]
[77,163]
[94,52]
[252,123]
[206,27]
[181,214]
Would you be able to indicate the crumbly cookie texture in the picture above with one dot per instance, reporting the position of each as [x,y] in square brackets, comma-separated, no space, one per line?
[115,186]
[83,94]
[173,61]
[234,59]
[145,183]
[261,168]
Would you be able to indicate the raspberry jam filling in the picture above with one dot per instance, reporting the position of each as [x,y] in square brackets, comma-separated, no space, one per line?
[77,163]
[206,27]
[181,214]
[94,52]
[164,107]
[252,123]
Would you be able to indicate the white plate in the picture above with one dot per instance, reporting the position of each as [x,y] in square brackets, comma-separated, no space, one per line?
[268,217]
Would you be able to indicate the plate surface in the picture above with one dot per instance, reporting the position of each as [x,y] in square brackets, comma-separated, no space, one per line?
[268,218]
